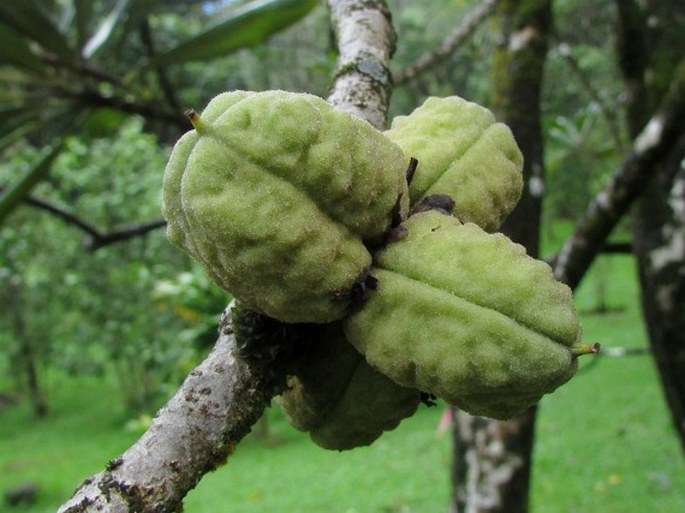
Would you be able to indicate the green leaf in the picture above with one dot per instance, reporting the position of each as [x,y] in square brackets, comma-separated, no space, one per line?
[250,25]
[83,17]
[13,195]
[104,32]
[17,122]
[15,52]
[30,21]
[136,13]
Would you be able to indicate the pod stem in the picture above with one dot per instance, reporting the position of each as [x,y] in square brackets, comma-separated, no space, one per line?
[195,120]
[581,349]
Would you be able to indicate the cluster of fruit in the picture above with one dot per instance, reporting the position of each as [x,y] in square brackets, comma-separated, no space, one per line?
[385,241]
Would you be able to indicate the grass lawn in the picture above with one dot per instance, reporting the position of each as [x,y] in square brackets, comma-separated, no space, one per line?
[604,442]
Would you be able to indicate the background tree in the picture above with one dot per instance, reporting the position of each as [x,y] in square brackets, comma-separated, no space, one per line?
[75,73]
[499,481]
[650,40]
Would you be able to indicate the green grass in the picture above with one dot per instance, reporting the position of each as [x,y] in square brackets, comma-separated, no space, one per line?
[604,441]
[81,434]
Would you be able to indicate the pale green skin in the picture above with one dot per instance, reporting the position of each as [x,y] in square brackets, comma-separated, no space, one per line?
[462,152]
[340,399]
[320,379]
[275,194]
[467,316]
[371,405]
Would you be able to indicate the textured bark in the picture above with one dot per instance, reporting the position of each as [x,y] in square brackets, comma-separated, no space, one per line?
[659,243]
[633,55]
[492,459]
[651,38]
[194,433]
[366,42]
[224,396]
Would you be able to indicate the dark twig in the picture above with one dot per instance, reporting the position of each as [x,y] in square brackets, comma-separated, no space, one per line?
[82,68]
[96,239]
[122,234]
[129,105]
[613,248]
[164,82]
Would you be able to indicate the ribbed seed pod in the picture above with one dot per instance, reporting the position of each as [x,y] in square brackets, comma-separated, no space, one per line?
[463,153]
[340,399]
[276,194]
[469,317]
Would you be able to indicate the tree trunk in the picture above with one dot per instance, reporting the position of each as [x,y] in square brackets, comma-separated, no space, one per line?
[659,244]
[492,459]
[649,62]
[27,352]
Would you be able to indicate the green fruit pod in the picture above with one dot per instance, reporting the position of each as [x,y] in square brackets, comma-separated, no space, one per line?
[464,153]
[469,317]
[276,193]
[340,399]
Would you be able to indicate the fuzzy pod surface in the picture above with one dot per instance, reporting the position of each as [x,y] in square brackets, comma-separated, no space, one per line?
[339,399]
[275,194]
[462,152]
[467,316]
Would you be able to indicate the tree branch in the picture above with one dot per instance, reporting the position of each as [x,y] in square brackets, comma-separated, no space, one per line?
[162,78]
[127,232]
[366,41]
[193,434]
[96,239]
[130,106]
[654,142]
[450,44]
[225,395]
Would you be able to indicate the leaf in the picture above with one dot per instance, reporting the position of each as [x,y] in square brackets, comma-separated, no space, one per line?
[30,21]
[13,195]
[250,25]
[106,28]
[83,17]
[16,52]
[136,13]
[19,117]
[15,123]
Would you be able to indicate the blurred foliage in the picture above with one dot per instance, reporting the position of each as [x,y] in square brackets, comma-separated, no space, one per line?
[579,158]
[92,94]
[104,85]
[97,312]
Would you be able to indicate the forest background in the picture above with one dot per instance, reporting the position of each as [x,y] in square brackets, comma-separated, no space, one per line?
[102,319]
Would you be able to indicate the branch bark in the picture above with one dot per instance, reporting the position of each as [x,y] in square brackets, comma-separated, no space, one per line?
[95,238]
[224,396]
[366,42]
[649,41]
[100,240]
[194,433]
